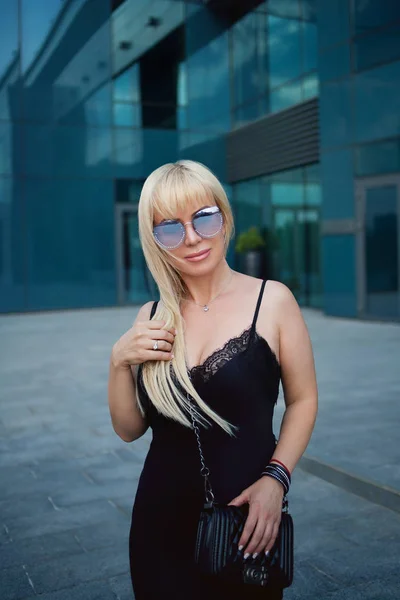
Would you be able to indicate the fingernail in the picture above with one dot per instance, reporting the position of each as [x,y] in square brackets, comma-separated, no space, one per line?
[266,552]
[240,548]
[172,355]
[255,554]
[246,556]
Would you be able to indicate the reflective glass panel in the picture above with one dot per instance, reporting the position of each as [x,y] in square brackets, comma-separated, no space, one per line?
[127,115]
[249,43]
[336,118]
[9,60]
[287,188]
[373,14]
[376,48]
[309,43]
[338,184]
[12,247]
[310,86]
[333,22]
[127,85]
[338,257]
[65,50]
[334,63]
[138,285]
[286,95]
[378,158]
[376,102]
[246,114]
[284,50]
[382,245]
[208,77]
[71,254]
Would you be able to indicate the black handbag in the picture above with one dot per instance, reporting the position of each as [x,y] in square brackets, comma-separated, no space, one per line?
[218,533]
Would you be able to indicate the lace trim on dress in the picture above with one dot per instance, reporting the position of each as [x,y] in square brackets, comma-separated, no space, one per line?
[222,355]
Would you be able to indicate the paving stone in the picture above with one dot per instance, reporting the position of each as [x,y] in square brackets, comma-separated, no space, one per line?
[14,584]
[79,568]
[122,587]
[95,590]
[67,519]
[101,535]
[38,549]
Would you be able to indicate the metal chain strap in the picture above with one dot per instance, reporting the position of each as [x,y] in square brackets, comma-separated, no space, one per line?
[204,471]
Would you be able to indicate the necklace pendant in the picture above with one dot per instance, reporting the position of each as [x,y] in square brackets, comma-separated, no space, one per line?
[205,308]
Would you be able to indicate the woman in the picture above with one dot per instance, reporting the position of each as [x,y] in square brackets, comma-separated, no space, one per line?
[220,342]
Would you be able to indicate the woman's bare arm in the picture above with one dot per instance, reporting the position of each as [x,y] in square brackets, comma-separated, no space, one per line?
[298,379]
[133,348]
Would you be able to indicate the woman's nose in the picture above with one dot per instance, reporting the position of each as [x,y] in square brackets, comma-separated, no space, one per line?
[191,237]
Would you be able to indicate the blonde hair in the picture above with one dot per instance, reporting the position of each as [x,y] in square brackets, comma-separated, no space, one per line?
[167,190]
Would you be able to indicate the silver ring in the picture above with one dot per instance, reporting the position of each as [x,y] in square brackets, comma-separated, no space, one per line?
[155,347]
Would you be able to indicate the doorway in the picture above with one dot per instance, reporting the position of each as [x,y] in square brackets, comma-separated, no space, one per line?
[297,257]
[378,247]
[134,280]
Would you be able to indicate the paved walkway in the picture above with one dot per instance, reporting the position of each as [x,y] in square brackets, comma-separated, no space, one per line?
[68,482]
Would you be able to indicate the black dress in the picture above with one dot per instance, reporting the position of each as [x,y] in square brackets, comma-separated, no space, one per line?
[240,381]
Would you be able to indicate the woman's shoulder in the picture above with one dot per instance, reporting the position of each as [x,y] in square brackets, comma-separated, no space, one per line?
[144,311]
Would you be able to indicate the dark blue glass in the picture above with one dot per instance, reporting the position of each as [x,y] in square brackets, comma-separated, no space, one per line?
[50,151]
[12,246]
[334,63]
[209,86]
[65,51]
[377,158]
[284,49]
[336,118]
[127,115]
[127,85]
[9,61]
[370,15]
[246,114]
[70,249]
[286,95]
[376,48]
[376,103]
[249,37]
[310,86]
[333,22]
[338,184]
[382,250]
[309,37]
[339,274]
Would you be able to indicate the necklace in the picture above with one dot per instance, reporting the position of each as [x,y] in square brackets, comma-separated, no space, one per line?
[205,307]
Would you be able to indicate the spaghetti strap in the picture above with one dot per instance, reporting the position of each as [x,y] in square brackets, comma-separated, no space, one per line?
[153,309]
[260,295]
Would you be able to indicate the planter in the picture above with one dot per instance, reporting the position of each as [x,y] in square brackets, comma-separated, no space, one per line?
[252,263]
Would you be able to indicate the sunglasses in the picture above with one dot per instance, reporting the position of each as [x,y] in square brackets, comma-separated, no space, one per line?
[207,222]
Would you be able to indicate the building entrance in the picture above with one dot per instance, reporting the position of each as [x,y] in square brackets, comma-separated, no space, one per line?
[135,283]
[378,247]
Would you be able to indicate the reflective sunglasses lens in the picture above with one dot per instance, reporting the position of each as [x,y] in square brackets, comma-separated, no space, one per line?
[169,235]
[208,224]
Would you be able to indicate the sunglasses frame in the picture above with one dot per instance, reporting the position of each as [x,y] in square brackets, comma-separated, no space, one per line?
[218,211]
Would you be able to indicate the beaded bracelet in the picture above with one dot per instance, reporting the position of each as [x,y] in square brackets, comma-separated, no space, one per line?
[279,473]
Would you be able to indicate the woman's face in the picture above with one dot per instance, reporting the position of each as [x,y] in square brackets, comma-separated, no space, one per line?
[195,254]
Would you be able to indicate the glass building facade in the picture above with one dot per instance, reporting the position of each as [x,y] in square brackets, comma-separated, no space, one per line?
[95,94]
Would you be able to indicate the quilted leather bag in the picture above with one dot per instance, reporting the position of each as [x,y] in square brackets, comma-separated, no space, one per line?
[219,530]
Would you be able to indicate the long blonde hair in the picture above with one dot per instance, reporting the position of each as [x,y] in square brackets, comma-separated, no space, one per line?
[167,190]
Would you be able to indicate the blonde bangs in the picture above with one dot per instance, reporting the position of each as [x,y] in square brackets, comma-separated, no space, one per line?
[177,190]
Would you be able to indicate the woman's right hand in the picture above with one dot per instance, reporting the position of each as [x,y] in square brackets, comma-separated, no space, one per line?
[136,345]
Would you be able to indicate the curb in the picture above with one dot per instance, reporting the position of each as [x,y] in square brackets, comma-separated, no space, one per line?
[369,490]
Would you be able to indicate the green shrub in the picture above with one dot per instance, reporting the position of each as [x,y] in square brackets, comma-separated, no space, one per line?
[249,240]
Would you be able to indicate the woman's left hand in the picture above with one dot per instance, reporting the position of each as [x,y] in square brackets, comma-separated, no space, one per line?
[265,512]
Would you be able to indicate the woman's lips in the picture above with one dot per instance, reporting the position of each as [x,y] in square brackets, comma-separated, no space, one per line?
[199,256]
